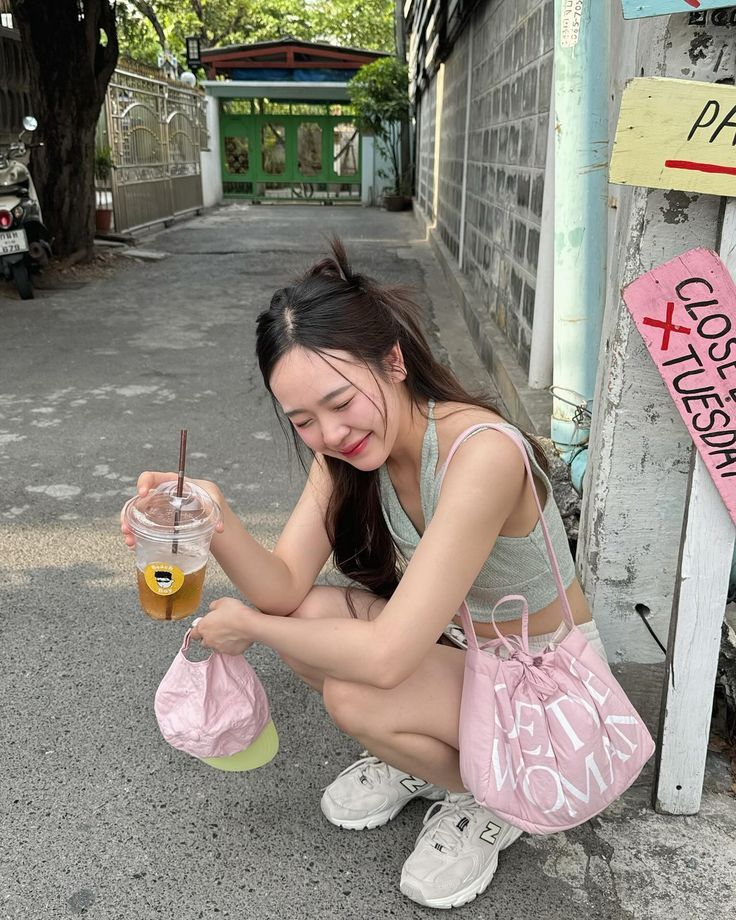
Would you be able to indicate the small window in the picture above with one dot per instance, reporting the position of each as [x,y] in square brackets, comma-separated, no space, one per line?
[345,152]
[309,148]
[273,148]
[237,158]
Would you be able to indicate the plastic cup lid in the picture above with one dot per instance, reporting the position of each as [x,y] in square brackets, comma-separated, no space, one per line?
[162,513]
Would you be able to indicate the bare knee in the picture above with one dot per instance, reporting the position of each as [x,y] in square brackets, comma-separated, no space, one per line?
[317,605]
[325,601]
[345,704]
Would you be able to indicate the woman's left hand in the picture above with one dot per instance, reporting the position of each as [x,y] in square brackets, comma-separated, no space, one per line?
[225,628]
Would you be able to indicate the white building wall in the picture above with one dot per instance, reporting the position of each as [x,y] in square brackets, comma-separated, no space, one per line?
[211,159]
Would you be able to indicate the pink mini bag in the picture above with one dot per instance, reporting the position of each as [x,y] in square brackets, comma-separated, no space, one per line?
[547,740]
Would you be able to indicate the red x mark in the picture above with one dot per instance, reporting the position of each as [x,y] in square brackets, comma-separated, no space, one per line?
[667,325]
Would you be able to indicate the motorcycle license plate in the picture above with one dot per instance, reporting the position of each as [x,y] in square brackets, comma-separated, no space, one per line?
[13,241]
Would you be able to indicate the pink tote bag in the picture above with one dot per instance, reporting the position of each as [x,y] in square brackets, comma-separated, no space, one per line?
[547,740]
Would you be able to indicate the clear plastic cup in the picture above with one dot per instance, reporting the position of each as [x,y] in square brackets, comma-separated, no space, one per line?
[172,545]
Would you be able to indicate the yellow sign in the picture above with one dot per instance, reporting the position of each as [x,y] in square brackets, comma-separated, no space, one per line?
[163,578]
[676,134]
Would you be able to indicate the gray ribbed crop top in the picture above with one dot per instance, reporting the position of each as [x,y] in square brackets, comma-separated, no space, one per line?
[516,565]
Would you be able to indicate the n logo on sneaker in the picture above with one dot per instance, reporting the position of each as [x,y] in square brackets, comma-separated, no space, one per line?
[412,784]
[490,832]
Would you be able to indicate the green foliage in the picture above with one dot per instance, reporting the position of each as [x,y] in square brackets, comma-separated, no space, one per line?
[144,26]
[368,24]
[103,163]
[380,94]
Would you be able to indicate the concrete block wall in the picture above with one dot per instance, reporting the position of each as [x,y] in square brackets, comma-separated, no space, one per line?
[511,44]
[452,145]
[427,111]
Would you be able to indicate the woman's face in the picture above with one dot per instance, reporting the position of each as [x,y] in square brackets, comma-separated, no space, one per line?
[337,405]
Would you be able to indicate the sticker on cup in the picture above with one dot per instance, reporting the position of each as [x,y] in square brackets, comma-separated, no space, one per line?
[163,578]
[172,540]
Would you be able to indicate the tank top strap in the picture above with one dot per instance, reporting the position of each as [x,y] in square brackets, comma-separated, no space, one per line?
[430,458]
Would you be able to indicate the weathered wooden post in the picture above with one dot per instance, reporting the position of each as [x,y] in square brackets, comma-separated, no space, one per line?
[679,134]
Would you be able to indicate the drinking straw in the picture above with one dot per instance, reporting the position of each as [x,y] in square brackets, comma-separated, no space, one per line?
[177,512]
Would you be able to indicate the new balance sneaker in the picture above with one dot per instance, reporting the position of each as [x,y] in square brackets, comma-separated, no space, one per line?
[456,852]
[370,793]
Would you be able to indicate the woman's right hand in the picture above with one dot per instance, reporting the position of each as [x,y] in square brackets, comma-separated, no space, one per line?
[151,480]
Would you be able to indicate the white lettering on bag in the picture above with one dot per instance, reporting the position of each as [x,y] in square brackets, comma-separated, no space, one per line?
[563,785]
[529,793]
[555,706]
[613,722]
[591,769]
[597,695]
[514,766]
[501,777]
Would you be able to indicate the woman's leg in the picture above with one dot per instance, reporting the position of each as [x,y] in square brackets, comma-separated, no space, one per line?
[414,726]
[323,602]
[413,729]
[401,725]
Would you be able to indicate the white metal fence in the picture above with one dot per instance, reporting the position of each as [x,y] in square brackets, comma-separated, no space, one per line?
[155,131]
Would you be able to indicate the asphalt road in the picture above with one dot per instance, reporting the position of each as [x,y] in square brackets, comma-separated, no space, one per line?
[98,816]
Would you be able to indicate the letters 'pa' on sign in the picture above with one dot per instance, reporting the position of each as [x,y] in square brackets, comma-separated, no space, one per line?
[636,9]
[685,311]
[676,134]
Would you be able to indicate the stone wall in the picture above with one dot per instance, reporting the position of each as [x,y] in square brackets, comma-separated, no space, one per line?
[426,112]
[511,44]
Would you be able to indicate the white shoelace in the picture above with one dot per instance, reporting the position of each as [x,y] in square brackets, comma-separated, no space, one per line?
[443,823]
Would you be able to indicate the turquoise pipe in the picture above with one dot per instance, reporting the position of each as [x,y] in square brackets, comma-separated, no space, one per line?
[581,216]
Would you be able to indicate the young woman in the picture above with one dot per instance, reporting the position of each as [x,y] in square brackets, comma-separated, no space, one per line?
[347,364]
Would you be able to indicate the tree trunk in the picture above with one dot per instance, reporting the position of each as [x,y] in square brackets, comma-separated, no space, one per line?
[71,47]
[145,9]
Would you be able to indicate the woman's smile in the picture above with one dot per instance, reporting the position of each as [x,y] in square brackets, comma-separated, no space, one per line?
[356,448]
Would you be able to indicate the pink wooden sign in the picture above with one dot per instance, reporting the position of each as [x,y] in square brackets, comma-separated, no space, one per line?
[685,311]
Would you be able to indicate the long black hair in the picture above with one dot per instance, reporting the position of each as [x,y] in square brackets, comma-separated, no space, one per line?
[332,308]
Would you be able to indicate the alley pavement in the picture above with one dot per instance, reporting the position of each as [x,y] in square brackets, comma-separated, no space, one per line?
[99,817]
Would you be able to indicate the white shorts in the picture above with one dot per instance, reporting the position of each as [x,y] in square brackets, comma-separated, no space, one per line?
[456,635]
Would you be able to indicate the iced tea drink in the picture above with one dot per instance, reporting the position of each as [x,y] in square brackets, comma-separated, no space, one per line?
[167,600]
[172,540]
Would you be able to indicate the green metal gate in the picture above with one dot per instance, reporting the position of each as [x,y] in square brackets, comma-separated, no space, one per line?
[289,151]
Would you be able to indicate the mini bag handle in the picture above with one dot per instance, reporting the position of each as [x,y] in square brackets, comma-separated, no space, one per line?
[464,612]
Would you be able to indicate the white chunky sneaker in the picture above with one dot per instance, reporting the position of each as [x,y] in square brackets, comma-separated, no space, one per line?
[456,853]
[370,793]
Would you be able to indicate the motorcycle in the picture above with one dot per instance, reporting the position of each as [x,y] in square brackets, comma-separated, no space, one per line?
[24,240]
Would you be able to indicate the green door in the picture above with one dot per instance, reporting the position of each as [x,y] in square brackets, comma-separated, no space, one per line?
[284,156]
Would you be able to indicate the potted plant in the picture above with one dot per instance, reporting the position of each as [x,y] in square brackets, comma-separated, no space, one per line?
[379,93]
[103,168]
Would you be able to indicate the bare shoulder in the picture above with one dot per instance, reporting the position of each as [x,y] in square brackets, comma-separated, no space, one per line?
[452,419]
[484,482]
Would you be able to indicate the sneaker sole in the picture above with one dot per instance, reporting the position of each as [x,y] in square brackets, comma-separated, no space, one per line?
[363,824]
[465,895]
